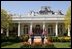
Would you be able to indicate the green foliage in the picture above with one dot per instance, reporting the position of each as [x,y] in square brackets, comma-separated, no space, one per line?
[54,39]
[14,39]
[64,39]
[24,37]
[65,34]
[49,38]
[10,39]
[4,38]
[59,39]
[5,19]
[68,17]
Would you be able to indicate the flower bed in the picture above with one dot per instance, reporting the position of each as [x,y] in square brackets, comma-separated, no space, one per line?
[37,45]
[48,44]
[64,39]
[59,39]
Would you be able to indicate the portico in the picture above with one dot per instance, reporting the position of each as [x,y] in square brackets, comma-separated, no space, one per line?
[51,29]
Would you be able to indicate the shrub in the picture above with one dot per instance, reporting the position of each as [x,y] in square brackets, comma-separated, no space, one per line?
[64,39]
[14,39]
[49,38]
[24,37]
[54,39]
[4,38]
[10,39]
[67,39]
[65,34]
[59,39]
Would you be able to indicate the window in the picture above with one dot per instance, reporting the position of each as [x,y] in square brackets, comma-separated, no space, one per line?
[61,29]
[50,30]
[25,29]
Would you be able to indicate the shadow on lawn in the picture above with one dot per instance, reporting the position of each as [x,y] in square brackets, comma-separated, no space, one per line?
[6,43]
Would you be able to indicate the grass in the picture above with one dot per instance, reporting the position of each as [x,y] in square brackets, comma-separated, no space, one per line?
[56,44]
[15,45]
[62,44]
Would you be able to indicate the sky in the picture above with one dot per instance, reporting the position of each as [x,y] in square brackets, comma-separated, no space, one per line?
[21,7]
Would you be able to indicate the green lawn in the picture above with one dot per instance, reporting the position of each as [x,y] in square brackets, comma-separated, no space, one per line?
[56,44]
[62,45]
[15,45]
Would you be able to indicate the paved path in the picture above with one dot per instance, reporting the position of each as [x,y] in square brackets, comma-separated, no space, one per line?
[37,39]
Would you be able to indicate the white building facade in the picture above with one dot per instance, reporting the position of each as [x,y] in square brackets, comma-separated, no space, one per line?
[50,22]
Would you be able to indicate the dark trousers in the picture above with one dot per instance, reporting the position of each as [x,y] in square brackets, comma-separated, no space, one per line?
[32,39]
[42,39]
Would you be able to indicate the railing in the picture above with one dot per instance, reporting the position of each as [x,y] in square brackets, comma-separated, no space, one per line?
[40,16]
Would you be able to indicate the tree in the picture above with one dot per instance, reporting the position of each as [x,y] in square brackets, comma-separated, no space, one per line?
[68,18]
[5,19]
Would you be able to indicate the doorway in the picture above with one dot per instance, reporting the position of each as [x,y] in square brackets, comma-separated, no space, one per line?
[37,30]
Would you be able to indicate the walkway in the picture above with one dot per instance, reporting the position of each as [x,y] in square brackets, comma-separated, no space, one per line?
[37,39]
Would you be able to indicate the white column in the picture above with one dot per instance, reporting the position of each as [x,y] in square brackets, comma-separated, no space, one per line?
[56,29]
[30,31]
[18,29]
[68,30]
[43,27]
[7,33]
[1,30]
